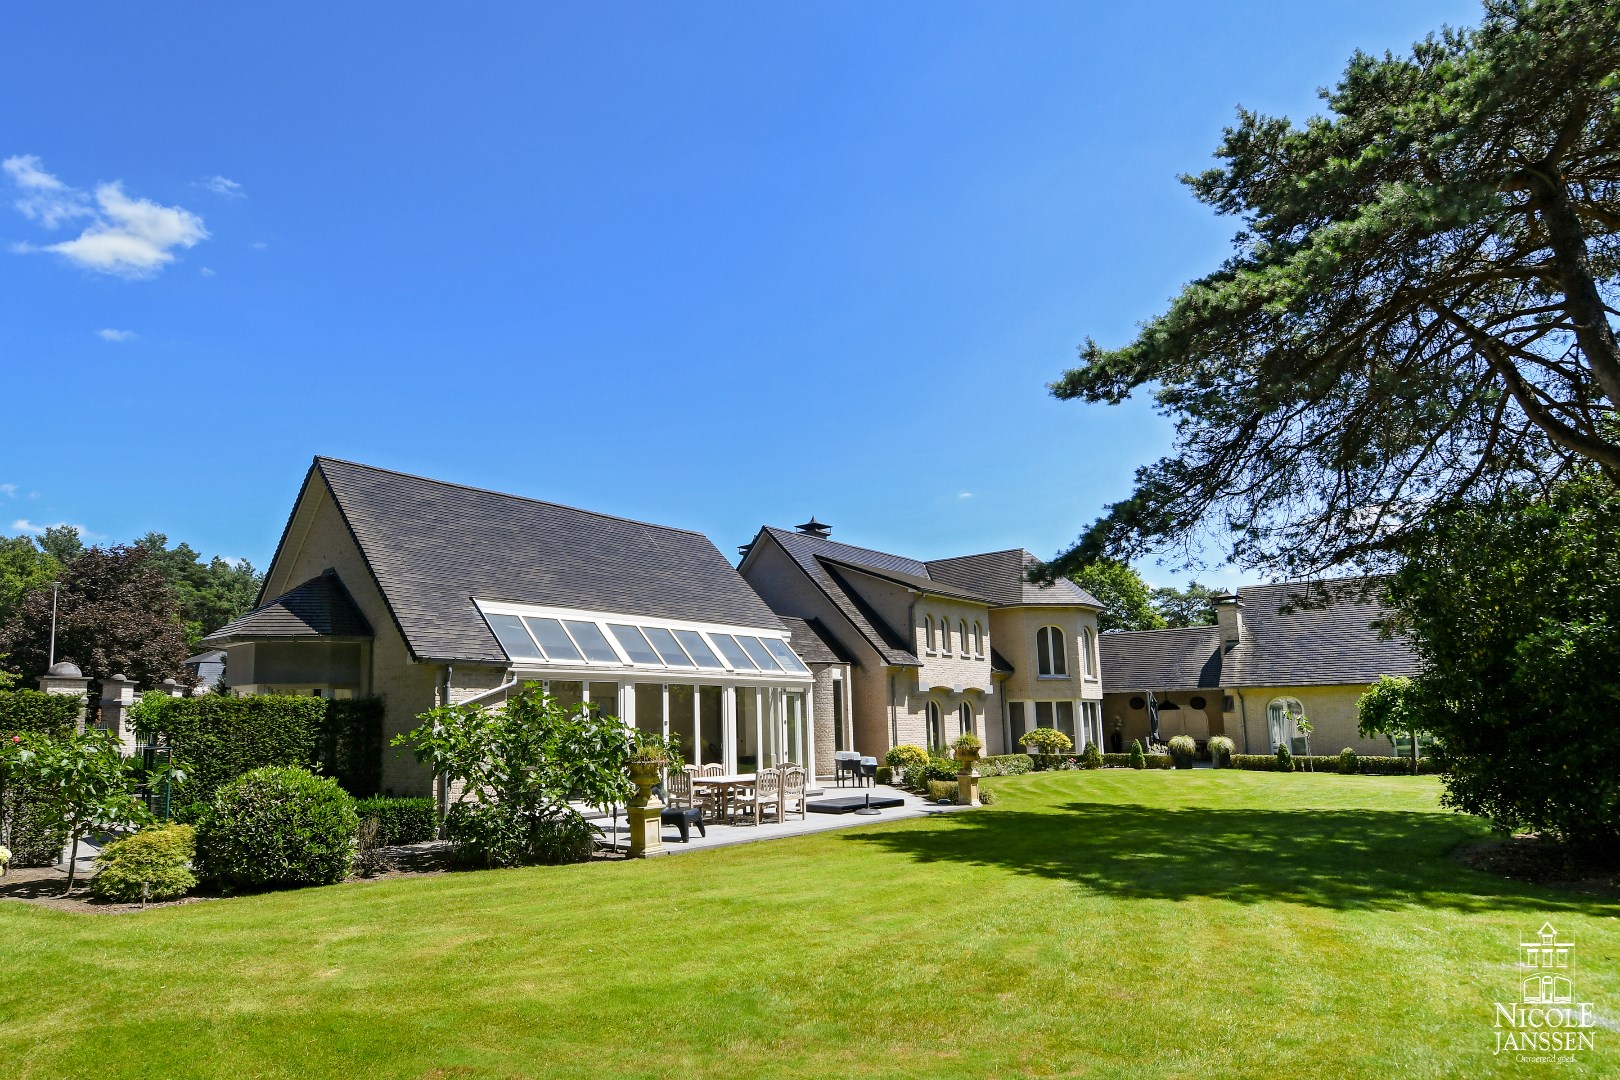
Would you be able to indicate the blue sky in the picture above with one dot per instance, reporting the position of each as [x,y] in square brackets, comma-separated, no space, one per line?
[708,265]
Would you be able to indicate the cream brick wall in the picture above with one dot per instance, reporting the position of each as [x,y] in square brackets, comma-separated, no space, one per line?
[955,667]
[1332,711]
[317,539]
[1015,630]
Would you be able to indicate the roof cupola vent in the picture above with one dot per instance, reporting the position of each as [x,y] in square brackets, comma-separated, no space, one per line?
[815,528]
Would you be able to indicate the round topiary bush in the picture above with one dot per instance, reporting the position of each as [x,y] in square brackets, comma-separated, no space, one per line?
[1138,759]
[153,864]
[276,827]
[1347,761]
[1285,758]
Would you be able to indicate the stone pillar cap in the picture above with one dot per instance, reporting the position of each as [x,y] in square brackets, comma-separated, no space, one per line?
[65,669]
[120,677]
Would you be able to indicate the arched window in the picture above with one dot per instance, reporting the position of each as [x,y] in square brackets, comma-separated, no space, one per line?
[1088,652]
[962,636]
[928,632]
[945,636]
[1050,658]
[1282,723]
[964,716]
[978,639]
[936,727]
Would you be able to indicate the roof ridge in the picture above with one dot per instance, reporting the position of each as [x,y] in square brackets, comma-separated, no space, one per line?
[981,555]
[319,458]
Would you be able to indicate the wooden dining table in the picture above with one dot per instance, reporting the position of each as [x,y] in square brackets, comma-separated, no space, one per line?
[727,785]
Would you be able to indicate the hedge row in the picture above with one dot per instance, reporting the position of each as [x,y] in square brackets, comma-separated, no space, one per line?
[1370,766]
[218,737]
[1005,765]
[36,838]
[400,821]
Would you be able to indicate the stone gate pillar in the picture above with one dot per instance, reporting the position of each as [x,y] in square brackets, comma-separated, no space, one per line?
[65,678]
[117,697]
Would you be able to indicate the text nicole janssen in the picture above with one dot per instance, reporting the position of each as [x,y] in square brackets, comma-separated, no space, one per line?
[1525,1027]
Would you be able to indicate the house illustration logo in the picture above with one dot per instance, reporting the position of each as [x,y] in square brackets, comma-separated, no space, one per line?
[1551,960]
[1546,1024]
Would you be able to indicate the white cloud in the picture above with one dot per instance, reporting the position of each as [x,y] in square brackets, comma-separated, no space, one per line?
[44,198]
[258,245]
[965,495]
[207,271]
[219,185]
[126,236]
[8,490]
[26,526]
[115,335]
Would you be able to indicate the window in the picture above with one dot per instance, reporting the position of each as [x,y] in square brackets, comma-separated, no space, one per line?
[592,642]
[1015,721]
[964,718]
[928,633]
[1065,720]
[1282,723]
[733,652]
[838,715]
[634,644]
[945,637]
[962,635]
[513,638]
[978,640]
[936,727]
[698,649]
[1088,652]
[552,638]
[668,648]
[1049,653]
[783,654]
[757,653]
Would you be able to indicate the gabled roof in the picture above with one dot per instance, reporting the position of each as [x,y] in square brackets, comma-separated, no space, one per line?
[434,546]
[1187,658]
[1284,643]
[1000,577]
[910,581]
[813,644]
[805,550]
[320,607]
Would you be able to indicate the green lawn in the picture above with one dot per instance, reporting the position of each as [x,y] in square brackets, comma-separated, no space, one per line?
[1108,924]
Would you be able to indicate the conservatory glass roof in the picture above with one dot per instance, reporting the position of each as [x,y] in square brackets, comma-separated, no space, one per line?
[536,637]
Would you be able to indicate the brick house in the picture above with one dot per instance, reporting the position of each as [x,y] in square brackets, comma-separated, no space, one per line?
[941,647]
[1269,660]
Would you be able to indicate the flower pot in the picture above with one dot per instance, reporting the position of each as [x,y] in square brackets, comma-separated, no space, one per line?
[645,774]
[1182,761]
[1220,759]
[967,755]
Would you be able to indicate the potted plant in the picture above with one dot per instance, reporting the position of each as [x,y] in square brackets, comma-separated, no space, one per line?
[1220,751]
[967,748]
[1183,748]
[650,754]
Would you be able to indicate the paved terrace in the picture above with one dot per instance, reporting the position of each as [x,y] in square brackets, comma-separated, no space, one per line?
[725,835]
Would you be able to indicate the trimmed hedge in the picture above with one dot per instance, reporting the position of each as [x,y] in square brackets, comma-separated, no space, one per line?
[158,859]
[219,737]
[276,827]
[941,789]
[1005,765]
[400,821]
[1325,763]
[36,838]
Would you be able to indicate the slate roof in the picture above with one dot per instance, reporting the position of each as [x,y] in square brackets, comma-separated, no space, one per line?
[433,546]
[999,576]
[806,551]
[1332,645]
[320,607]
[910,581]
[813,644]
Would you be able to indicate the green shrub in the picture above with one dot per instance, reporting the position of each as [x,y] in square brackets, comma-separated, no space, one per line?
[37,834]
[967,741]
[935,768]
[1043,762]
[905,757]
[1045,740]
[400,821]
[486,836]
[220,737]
[1092,758]
[884,775]
[941,790]
[1347,760]
[1119,761]
[1220,751]
[1285,758]
[188,813]
[277,826]
[1394,766]
[1006,765]
[987,796]
[1159,761]
[1138,759]
[158,859]
[1183,748]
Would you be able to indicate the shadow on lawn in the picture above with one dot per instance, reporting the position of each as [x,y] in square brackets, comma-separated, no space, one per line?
[1326,858]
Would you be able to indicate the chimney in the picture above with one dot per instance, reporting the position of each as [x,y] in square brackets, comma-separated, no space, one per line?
[1229,616]
[815,528]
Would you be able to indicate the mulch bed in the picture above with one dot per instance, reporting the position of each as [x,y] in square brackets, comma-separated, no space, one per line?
[1541,861]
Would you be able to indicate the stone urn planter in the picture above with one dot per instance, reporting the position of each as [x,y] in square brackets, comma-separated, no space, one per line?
[967,750]
[1182,751]
[645,810]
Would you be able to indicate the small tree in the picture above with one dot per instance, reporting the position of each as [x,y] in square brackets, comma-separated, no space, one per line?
[1390,709]
[84,779]
[1305,728]
[519,768]
[1045,740]
[1138,759]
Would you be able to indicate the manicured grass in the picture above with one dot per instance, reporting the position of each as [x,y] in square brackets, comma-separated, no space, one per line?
[1112,924]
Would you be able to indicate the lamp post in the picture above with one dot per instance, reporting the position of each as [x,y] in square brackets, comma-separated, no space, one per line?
[55,588]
